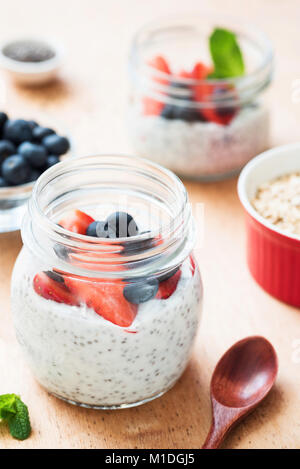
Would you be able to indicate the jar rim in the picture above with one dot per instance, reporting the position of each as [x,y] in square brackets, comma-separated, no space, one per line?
[257,79]
[106,247]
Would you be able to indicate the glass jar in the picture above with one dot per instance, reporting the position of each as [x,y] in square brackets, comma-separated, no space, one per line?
[201,129]
[85,340]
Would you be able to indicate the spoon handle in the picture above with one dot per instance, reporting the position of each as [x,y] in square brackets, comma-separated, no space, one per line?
[224,418]
[215,437]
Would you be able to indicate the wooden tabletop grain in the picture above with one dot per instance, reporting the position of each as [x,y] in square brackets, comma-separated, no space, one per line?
[89,100]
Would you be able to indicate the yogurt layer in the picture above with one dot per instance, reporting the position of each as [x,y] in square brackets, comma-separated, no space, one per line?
[79,356]
[201,150]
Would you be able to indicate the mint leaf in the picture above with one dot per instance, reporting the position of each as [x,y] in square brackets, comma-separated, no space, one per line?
[15,412]
[19,424]
[7,405]
[226,54]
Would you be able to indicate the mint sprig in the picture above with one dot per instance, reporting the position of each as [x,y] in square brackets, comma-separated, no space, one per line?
[15,413]
[226,54]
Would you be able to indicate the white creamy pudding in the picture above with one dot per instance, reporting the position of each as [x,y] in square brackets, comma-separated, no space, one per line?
[200,150]
[79,356]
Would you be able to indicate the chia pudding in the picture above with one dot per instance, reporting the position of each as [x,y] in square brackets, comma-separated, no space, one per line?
[105,310]
[196,102]
[81,357]
[201,149]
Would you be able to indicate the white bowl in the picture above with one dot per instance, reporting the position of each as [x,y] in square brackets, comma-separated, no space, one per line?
[31,73]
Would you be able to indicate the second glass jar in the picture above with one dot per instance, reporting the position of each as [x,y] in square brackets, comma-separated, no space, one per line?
[201,129]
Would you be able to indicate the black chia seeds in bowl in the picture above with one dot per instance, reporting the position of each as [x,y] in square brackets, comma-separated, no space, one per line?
[31,61]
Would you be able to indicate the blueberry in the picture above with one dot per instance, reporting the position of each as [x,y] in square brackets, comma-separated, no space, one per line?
[121,225]
[16,170]
[138,245]
[17,131]
[39,133]
[141,290]
[3,119]
[97,229]
[36,155]
[221,96]
[34,175]
[32,124]
[171,111]
[51,161]
[3,183]
[7,148]
[56,145]
[61,251]
[54,276]
[168,275]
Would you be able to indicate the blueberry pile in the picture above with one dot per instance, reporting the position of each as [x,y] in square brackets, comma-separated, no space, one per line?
[27,150]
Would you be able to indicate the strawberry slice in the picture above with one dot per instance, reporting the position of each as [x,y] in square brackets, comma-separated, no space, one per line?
[200,71]
[106,299]
[167,287]
[76,221]
[193,265]
[152,107]
[50,289]
[160,64]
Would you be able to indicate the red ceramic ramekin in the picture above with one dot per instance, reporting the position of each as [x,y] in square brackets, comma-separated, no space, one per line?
[273,255]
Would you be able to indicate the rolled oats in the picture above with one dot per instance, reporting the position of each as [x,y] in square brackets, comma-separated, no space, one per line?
[278,201]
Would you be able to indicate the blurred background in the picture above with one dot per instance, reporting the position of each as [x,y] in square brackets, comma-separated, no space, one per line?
[90,96]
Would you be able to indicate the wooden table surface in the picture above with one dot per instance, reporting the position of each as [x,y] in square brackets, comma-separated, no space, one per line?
[90,100]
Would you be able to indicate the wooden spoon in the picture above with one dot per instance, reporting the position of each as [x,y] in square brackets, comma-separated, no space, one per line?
[241,380]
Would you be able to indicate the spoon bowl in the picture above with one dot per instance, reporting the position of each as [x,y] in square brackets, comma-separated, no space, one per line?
[242,379]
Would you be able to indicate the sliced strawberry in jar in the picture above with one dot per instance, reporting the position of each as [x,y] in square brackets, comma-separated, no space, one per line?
[212,95]
[51,287]
[105,298]
[193,264]
[160,64]
[200,71]
[77,222]
[152,106]
[167,287]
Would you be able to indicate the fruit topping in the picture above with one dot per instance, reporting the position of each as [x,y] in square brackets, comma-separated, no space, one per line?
[152,107]
[56,145]
[141,290]
[61,251]
[97,229]
[16,170]
[167,287]
[160,64]
[49,288]
[106,299]
[193,264]
[168,275]
[121,225]
[77,222]
[208,104]
[36,155]
[184,113]
[54,276]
